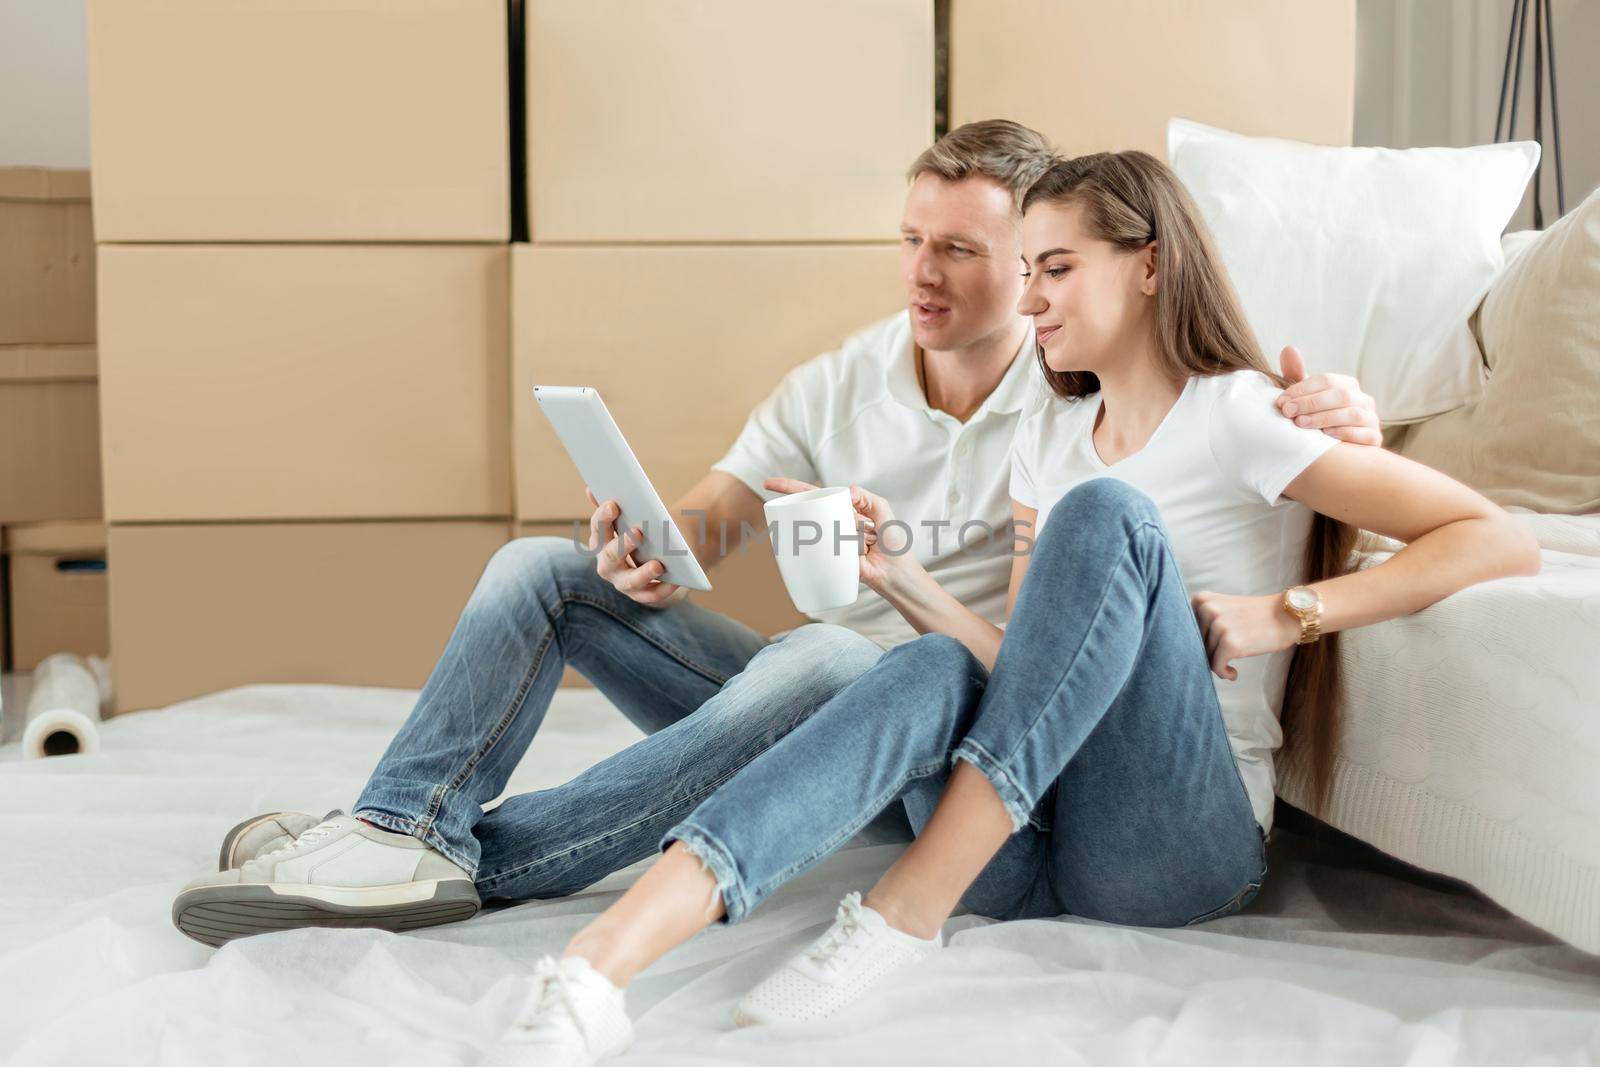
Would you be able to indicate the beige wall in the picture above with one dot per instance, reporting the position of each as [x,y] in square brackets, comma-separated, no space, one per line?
[42,61]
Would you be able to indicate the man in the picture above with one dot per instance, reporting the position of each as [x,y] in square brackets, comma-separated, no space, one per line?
[920,407]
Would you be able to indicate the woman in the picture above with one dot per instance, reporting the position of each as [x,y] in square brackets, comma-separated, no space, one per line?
[1083,760]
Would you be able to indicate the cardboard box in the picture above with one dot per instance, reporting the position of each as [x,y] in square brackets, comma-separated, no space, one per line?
[745,586]
[58,591]
[49,433]
[1095,76]
[197,608]
[295,381]
[724,120]
[46,257]
[299,120]
[681,343]
[5,615]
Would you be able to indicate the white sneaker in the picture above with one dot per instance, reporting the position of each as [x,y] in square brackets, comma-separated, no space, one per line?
[573,1017]
[859,951]
[340,872]
[264,833]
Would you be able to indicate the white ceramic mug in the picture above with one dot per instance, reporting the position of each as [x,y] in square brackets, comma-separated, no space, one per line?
[815,540]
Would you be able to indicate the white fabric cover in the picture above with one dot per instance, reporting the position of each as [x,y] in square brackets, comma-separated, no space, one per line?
[1471,741]
[1336,962]
[1369,260]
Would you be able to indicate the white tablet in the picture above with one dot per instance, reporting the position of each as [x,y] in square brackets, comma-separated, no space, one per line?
[612,472]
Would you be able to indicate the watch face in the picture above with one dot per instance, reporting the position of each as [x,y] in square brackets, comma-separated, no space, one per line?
[1302,599]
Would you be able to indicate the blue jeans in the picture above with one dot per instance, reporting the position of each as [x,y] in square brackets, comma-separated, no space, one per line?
[1099,728]
[711,693]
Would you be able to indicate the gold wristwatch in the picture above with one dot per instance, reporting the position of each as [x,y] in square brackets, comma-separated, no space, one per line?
[1304,604]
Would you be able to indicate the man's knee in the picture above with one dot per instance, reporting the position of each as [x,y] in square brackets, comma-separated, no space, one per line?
[940,659]
[818,657]
[534,563]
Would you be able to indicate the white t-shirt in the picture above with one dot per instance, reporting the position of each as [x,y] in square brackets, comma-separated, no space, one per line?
[858,416]
[1216,467]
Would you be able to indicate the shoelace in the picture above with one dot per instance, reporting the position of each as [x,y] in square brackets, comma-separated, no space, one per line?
[551,1002]
[316,833]
[829,951]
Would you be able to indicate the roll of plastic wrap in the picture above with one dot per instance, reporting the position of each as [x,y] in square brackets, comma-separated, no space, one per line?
[63,715]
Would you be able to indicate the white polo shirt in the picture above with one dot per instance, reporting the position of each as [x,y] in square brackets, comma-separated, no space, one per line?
[858,416]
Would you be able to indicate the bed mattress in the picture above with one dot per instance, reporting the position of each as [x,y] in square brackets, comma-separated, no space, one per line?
[1342,959]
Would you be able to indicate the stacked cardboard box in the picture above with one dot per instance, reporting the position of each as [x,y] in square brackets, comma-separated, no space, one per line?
[299,120]
[49,421]
[707,210]
[58,589]
[303,210]
[317,351]
[1095,76]
[201,607]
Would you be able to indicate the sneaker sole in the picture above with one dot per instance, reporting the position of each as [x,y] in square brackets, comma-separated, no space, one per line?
[215,915]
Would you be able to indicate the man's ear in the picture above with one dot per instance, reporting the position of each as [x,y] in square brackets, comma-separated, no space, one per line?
[1152,275]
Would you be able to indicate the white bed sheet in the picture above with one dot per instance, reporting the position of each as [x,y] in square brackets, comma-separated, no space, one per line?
[1337,961]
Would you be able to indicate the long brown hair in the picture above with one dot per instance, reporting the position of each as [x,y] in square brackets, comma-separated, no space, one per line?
[1131,199]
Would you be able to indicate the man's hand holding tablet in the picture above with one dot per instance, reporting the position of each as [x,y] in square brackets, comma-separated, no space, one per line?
[636,541]
[615,563]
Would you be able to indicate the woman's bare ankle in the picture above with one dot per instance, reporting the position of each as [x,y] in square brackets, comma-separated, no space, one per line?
[899,917]
[605,952]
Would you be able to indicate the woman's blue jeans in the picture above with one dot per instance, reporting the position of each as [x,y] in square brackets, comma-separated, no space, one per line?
[1099,728]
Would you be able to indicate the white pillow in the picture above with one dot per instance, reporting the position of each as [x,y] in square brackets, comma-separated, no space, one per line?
[1369,260]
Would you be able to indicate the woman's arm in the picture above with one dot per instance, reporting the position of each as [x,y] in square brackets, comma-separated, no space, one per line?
[890,568]
[1454,538]
[925,604]
[1025,519]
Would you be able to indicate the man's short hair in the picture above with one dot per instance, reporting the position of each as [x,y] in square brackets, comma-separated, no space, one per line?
[1003,151]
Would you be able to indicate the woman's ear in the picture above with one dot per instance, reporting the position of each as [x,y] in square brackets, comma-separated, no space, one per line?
[1152,278]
